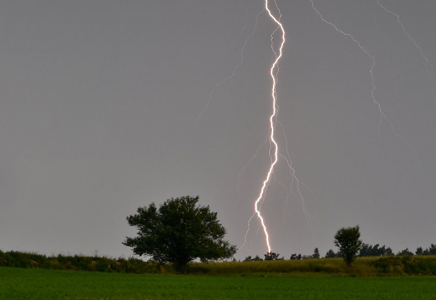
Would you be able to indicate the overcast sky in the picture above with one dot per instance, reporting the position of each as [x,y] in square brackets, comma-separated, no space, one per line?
[100,106]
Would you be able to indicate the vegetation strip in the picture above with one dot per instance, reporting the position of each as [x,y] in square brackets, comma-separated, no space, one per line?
[362,267]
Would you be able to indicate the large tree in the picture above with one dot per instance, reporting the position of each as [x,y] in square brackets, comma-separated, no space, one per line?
[179,232]
[347,239]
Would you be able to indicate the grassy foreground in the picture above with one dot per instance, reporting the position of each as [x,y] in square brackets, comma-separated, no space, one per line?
[18,283]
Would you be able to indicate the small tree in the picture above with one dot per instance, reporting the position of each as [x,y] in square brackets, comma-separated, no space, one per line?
[315,253]
[272,256]
[376,250]
[405,252]
[431,250]
[348,242]
[179,232]
[248,258]
[257,258]
[330,254]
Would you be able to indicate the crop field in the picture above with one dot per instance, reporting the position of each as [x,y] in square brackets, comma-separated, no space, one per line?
[17,283]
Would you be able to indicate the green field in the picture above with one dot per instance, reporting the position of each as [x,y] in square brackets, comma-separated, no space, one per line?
[17,283]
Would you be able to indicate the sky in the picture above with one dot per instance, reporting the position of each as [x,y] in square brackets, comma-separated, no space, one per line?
[106,106]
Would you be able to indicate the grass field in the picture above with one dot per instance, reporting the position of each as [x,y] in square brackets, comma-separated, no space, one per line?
[17,283]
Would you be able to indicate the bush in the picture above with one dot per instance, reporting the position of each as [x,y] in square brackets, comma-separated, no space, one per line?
[406,265]
[79,262]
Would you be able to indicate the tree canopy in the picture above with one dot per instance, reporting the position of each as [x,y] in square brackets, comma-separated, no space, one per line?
[179,232]
[347,239]
[429,251]
[273,256]
[376,250]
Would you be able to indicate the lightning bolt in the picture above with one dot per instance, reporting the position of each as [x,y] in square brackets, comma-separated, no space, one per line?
[371,71]
[429,65]
[274,150]
[274,153]
[272,125]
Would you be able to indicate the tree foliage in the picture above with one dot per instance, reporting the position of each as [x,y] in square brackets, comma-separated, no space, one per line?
[376,250]
[273,256]
[333,254]
[295,256]
[179,232]
[249,258]
[315,253]
[348,242]
[405,252]
[429,251]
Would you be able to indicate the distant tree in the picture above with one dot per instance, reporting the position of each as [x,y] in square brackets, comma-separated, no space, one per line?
[376,250]
[431,250]
[295,256]
[348,242]
[330,254]
[315,253]
[248,258]
[389,251]
[405,252]
[257,258]
[272,256]
[179,232]
[365,250]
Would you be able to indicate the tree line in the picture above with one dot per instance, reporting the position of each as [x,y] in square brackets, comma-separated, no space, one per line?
[366,250]
[181,231]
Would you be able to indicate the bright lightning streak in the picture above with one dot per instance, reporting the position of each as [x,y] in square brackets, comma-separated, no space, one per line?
[271,119]
[274,151]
